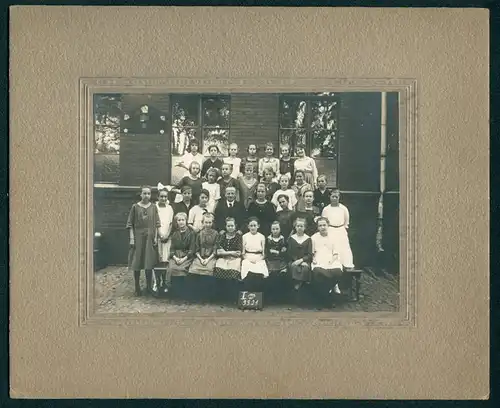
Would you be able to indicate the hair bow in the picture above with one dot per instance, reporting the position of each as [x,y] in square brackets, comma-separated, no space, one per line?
[162,187]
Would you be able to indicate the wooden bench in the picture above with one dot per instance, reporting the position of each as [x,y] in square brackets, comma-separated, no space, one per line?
[355,286]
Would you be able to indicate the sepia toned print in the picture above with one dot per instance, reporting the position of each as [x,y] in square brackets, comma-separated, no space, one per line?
[328,156]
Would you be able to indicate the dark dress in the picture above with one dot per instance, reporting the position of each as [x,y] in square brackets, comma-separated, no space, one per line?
[296,251]
[287,166]
[205,243]
[228,267]
[271,188]
[276,262]
[208,164]
[144,222]
[265,213]
[321,200]
[196,186]
[285,218]
[182,207]
[232,182]
[309,215]
[183,243]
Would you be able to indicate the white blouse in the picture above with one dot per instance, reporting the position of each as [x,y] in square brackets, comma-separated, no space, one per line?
[195,217]
[336,216]
[236,162]
[325,255]
[188,158]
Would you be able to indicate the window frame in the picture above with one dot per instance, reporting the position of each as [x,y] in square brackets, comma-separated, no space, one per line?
[200,128]
[308,97]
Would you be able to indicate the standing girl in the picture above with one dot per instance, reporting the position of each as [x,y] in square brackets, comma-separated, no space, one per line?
[196,214]
[309,212]
[300,187]
[285,189]
[228,265]
[285,216]
[192,155]
[182,250]
[262,209]
[286,162]
[269,161]
[251,158]
[307,165]
[247,185]
[271,185]
[233,160]
[326,264]
[321,194]
[166,214]
[213,188]
[227,181]
[202,269]
[276,261]
[213,162]
[186,204]
[253,266]
[337,216]
[192,180]
[299,254]
[143,224]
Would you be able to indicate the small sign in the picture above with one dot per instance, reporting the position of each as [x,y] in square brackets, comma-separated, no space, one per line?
[250,300]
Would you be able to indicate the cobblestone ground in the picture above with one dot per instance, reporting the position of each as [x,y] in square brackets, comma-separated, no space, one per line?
[114,293]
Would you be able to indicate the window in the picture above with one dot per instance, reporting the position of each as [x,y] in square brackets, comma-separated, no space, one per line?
[107,114]
[204,118]
[310,120]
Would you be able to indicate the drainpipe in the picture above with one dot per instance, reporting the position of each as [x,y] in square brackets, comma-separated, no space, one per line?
[383,148]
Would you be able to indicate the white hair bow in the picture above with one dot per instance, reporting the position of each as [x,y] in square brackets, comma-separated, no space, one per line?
[162,187]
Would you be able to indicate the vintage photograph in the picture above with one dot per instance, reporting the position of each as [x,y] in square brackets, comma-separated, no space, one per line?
[231,202]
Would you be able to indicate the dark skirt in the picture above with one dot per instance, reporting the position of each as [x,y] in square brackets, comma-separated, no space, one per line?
[300,273]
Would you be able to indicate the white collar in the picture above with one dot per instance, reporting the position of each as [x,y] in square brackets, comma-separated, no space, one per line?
[144,205]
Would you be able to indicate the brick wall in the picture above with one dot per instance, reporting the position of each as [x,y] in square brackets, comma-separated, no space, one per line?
[254,119]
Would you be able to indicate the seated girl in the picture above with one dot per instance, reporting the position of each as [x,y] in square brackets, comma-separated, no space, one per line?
[228,265]
[276,263]
[182,250]
[299,255]
[202,268]
[326,265]
[253,266]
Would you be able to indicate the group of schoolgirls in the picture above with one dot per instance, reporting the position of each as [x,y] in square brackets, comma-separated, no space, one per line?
[269,226]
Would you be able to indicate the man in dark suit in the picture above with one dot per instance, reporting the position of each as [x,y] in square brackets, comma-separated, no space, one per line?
[229,207]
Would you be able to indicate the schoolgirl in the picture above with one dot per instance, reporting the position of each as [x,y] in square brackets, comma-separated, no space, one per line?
[271,185]
[143,224]
[196,214]
[233,160]
[262,209]
[251,158]
[326,264]
[285,189]
[192,155]
[166,214]
[337,216]
[286,162]
[228,181]
[213,161]
[285,216]
[299,254]
[228,265]
[300,186]
[192,180]
[307,165]
[182,252]
[187,202]
[269,161]
[202,269]
[253,265]
[247,185]
[309,212]
[322,193]
[276,249]
[213,188]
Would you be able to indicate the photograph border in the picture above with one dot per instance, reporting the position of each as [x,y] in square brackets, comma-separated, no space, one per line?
[407,90]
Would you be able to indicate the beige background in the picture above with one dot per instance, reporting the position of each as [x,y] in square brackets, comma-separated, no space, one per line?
[445,356]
